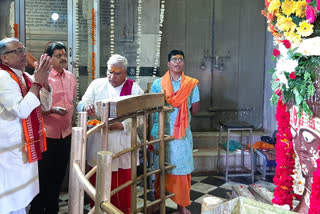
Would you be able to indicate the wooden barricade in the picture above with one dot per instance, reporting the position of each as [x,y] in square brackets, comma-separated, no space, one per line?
[112,111]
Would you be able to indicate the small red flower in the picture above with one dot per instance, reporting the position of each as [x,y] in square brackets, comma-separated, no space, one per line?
[278,92]
[292,76]
[286,43]
[276,52]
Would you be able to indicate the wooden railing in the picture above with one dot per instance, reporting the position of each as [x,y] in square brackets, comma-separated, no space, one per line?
[111,112]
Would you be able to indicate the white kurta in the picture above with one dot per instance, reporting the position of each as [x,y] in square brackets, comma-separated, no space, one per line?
[101,89]
[18,178]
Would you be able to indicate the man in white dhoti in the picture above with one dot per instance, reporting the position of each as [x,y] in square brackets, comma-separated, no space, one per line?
[22,136]
[116,84]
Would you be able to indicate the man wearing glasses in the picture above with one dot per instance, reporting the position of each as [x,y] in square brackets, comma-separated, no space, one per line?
[116,84]
[22,135]
[181,92]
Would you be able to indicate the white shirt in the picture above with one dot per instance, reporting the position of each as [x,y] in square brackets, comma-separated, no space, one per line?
[18,178]
[101,89]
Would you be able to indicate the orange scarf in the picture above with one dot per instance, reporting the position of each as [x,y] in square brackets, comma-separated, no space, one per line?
[179,100]
[33,125]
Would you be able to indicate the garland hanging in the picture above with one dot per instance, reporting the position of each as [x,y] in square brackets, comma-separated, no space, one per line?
[139,8]
[283,193]
[112,7]
[157,54]
[93,40]
[16,32]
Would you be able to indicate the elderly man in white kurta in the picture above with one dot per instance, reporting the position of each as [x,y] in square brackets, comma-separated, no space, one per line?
[22,137]
[116,84]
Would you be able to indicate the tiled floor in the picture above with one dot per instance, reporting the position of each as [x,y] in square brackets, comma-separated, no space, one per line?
[202,186]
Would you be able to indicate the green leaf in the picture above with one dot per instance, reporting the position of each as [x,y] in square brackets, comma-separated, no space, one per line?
[274,99]
[273,57]
[298,98]
[271,70]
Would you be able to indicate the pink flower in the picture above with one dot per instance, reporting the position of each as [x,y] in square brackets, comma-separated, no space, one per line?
[286,43]
[310,13]
[278,92]
[276,52]
[308,1]
[318,4]
[292,75]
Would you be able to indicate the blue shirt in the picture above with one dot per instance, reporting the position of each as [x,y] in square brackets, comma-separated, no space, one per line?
[178,152]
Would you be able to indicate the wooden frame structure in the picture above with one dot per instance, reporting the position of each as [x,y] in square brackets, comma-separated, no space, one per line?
[115,111]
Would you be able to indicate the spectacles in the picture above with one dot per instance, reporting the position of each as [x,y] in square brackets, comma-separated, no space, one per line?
[17,51]
[174,59]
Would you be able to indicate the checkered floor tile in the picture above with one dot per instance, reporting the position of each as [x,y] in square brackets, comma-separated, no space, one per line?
[202,186]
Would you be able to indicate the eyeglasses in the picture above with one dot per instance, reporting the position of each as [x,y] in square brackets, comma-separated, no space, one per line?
[174,59]
[17,51]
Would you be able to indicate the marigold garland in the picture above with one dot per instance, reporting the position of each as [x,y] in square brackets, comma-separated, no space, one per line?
[283,193]
[93,39]
[16,32]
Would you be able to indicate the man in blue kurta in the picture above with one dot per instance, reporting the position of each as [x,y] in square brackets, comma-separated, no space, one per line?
[182,93]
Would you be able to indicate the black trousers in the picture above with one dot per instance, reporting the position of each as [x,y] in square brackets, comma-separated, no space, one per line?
[52,169]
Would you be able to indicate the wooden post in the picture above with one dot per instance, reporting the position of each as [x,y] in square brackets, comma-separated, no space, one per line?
[83,118]
[103,180]
[104,132]
[74,185]
[134,165]
[161,162]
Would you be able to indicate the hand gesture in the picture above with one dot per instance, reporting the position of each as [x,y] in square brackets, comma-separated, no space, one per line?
[90,109]
[116,126]
[60,110]
[42,70]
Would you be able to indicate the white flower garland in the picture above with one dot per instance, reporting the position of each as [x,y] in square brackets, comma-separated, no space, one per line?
[112,8]
[157,54]
[139,40]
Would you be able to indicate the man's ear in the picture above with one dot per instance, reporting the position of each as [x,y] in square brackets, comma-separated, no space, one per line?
[3,58]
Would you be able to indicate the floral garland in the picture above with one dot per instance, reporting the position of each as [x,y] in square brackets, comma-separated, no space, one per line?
[315,193]
[285,162]
[139,32]
[157,54]
[93,41]
[112,7]
[16,32]
[291,19]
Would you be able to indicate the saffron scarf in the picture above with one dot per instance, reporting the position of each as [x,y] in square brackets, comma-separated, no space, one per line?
[33,125]
[179,99]
[127,88]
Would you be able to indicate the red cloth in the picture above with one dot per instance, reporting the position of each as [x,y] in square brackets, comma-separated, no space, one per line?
[122,200]
[127,88]
[33,125]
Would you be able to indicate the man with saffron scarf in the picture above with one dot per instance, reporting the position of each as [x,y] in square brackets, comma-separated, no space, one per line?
[116,84]
[182,93]
[22,134]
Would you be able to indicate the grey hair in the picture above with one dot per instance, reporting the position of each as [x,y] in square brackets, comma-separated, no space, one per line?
[117,60]
[4,43]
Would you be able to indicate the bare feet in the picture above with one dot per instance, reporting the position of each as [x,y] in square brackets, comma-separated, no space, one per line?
[183,210]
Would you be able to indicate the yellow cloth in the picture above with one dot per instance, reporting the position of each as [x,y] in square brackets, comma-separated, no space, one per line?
[179,100]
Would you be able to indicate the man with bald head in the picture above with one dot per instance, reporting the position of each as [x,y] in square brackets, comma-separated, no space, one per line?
[22,135]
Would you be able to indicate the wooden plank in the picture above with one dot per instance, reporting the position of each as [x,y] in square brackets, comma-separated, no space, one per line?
[125,105]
